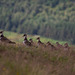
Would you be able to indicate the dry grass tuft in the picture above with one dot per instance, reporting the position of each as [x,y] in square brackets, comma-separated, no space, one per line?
[23,60]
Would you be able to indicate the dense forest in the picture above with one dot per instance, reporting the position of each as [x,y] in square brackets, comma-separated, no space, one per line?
[49,18]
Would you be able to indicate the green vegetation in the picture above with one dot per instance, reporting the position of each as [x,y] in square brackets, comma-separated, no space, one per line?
[49,18]
[21,60]
[19,39]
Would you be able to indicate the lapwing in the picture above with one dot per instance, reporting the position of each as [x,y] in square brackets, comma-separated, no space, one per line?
[4,39]
[66,46]
[48,44]
[40,43]
[26,42]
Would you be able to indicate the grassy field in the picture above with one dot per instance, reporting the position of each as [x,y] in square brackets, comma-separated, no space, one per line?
[22,60]
[18,37]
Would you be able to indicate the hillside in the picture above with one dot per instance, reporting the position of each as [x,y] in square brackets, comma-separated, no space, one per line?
[19,39]
[20,60]
[49,18]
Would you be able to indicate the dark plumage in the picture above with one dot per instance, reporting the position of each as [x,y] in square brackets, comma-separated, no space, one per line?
[32,43]
[30,40]
[40,43]
[26,42]
[59,45]
[66,46]
[48,44]
[4,39]
[1,32]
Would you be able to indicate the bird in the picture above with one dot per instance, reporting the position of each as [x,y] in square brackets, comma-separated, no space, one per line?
[4,39]
[1,33]
[59,45]
[66,46]
[48,44]
[26,42]
[31,41]
[40,43]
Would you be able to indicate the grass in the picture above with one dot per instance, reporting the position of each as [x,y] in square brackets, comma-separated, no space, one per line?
[22,60]
[18,38]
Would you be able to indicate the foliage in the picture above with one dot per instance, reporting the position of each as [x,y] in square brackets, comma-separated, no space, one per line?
[49,18]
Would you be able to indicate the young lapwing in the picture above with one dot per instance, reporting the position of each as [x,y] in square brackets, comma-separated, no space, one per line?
[40,43]
[48,44]
[31,41]
[66,46]
[59,45]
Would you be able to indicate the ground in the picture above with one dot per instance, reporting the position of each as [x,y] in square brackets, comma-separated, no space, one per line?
[23,60]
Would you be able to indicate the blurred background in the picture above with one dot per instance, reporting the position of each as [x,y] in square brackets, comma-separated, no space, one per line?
[49,18]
